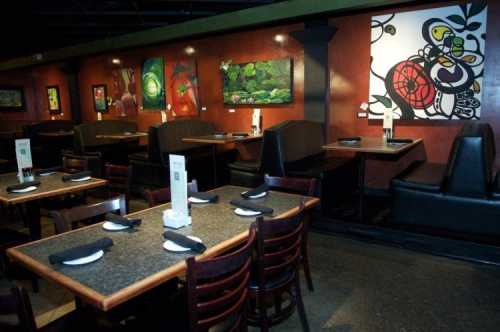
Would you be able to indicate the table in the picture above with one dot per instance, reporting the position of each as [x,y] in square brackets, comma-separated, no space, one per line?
[62,133]
[369,145]
[50,186]
[137,262]
[124,135]
[215,140]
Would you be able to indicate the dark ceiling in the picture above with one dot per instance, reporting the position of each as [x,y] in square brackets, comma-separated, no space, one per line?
[32,26]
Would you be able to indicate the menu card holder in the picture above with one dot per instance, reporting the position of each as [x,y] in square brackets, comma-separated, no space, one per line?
[178,216]
[24,161]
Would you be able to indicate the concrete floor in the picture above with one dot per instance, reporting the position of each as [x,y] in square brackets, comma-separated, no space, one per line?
[364,287]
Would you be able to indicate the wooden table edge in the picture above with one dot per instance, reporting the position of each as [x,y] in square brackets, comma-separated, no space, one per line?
[353,148]
[108,302]
[65,190]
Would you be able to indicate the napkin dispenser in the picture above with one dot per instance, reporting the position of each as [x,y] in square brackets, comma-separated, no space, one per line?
[175,220]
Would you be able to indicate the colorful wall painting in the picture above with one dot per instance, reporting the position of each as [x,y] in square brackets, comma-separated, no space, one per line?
[100,98]
[428,64]
[153,84]
[260,82]
[12,99]
[124,91]
[54,100]
[183,87]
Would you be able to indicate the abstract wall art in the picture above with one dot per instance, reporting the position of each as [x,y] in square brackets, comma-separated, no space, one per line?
[260,82]
[428,64]
[153,84]
[124,91]
[12,99]
[99,93]
[54,99]
[183,87]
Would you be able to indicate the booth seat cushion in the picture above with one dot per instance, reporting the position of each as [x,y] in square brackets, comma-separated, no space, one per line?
[495,187]
[422,176]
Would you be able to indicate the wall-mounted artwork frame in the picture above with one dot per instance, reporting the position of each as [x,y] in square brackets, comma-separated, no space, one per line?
[153,84]
[183,87]
[12,99]
[258,82]
[54,99]
[100,98]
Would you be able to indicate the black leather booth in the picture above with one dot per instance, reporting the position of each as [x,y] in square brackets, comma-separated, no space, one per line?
[461,197]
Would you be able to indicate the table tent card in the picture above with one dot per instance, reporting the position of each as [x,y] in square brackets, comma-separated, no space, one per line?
[178,215]
[256,121]
[23,157]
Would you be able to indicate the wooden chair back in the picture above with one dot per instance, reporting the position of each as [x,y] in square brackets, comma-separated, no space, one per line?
[73,164]
[278,245]
[302,186]
[218,288]
[162,196]
[18,303]
[65,219]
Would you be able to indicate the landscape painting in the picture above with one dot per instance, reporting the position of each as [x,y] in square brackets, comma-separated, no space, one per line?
[153,84]
[428,64]
[124,91]
[260,82]
[183,87]
[12,99]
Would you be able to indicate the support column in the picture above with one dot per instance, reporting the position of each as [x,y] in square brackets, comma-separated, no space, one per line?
[71,69]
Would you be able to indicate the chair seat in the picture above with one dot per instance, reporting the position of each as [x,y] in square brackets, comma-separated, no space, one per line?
[422,176]
[251,166]
[274,282]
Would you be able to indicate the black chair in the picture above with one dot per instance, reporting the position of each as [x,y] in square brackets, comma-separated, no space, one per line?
[217,289]
[162,195]
[118,177]
[276,271]
[461,197]
[306,187]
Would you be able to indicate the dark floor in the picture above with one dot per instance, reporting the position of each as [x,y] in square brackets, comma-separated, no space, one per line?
[364,287]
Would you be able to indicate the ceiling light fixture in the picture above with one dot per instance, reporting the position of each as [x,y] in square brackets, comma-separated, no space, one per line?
[279,38]
[189,50]
[116,61]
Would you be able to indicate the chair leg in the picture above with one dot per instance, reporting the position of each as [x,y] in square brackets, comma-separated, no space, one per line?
[34,284]
[264,322]
[300,305]
[305,266]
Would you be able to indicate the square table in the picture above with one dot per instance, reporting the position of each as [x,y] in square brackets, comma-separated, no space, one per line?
[123,136]
[137,262]
[369,145]
[215,140]
[50,186]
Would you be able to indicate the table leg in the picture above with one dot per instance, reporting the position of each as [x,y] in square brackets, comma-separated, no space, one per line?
[214,164]
[33,216]
[361,186]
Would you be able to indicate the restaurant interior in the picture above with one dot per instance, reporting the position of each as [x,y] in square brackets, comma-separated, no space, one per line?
[250,165]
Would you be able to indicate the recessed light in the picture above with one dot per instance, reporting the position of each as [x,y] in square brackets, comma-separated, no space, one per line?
[116,61]
[279,38]
[189,50]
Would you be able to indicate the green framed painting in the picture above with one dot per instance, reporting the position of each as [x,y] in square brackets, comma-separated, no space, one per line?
[153,84]
[259,82]
[12,99]
[100,95]
[54,99]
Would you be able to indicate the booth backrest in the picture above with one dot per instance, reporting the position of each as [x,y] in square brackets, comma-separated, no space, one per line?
[470,164]
[290,142]
[170,134]
[153,145]
[85,134]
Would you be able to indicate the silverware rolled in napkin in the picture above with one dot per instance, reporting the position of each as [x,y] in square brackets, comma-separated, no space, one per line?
[47,171]
[121,220]
[80,251]
[184,241]
[211,198]
[256,191]
[399,140]
[21,186]
[76,176]
[246,205]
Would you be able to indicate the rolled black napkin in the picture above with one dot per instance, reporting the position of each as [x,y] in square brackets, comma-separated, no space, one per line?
[22,186]
[76,176]
[47,171]
[80,251]
[399,140]
[256,191]
[246,205]
[347,139]
[210,197]
[117,219]
[185,242]
[240,134]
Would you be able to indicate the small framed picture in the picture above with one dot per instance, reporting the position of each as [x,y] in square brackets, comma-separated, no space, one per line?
[12,99]
[54,99]
[100,98]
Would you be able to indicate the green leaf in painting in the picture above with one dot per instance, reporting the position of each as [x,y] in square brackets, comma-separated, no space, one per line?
[473,26]
[387,102]
[476,8]
[456,19]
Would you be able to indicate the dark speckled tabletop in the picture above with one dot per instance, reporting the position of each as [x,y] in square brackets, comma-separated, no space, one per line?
[137,255]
